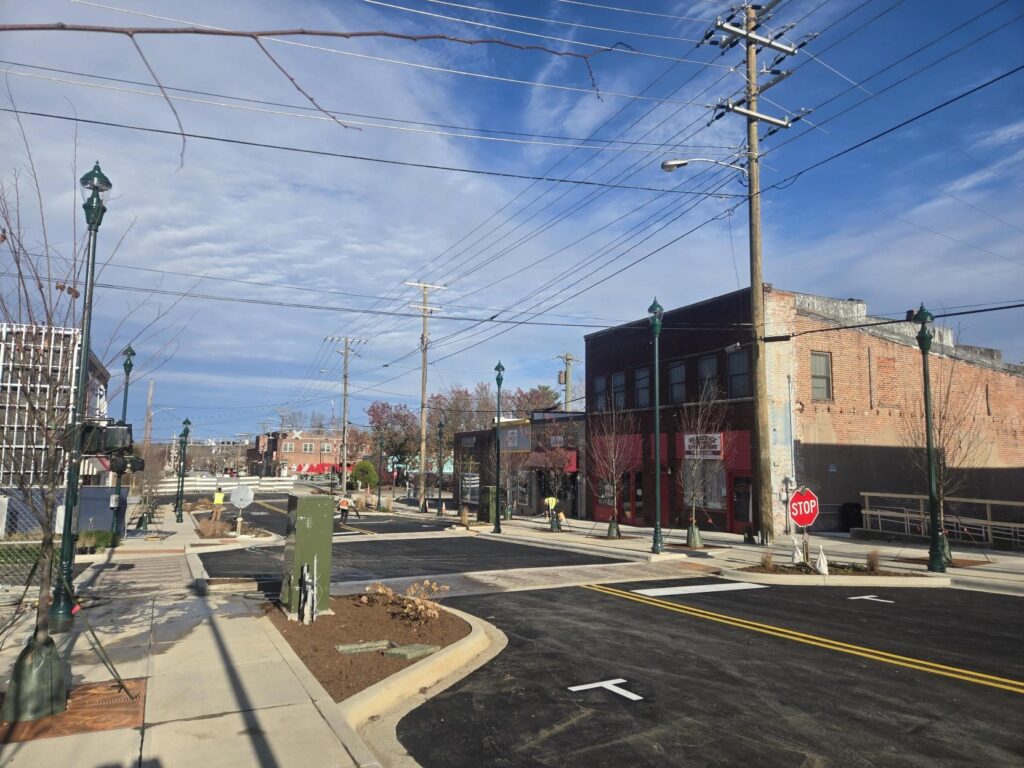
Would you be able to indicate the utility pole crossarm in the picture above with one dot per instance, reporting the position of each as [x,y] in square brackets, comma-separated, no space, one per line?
[753,37]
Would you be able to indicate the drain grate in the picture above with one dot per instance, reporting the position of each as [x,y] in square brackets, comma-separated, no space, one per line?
[91,708]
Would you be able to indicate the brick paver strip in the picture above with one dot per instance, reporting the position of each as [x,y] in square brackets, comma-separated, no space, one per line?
[91,707]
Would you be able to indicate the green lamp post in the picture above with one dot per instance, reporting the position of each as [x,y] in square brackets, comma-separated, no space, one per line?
[440,460]
[128,353]
[936,561]
[656,313]
[95,188]
[179,502]
[499,370]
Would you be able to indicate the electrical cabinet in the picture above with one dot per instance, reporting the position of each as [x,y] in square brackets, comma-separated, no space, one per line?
[307,543]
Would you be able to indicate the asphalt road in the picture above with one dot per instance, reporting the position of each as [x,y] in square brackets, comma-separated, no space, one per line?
[378,558]
[718,689]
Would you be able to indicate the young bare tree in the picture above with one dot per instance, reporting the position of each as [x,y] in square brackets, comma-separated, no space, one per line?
[957,392]
[45,398]
[701,423]
[611,451]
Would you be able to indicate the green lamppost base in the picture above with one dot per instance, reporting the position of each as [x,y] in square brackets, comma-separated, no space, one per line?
[658,543]
[37,688]
[693,539]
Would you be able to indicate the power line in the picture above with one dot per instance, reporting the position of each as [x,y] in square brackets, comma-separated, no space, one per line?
[341,155]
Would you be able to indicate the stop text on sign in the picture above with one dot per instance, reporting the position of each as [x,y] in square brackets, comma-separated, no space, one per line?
[804,507]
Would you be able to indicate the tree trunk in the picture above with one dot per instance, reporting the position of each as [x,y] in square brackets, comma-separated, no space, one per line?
[45,582]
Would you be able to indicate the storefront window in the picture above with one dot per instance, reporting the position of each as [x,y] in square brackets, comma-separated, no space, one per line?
[470,488]
[705,481]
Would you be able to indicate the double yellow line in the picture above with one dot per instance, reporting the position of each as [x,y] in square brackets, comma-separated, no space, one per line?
[978,678]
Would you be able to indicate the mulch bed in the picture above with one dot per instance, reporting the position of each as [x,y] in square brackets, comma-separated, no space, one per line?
[343,675]
[91,707]
[834,569]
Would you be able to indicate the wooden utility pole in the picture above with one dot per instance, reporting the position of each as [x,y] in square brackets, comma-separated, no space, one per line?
[753,17]
[348,341]
[147,437]
[568,359]
[762,435]
[424,344]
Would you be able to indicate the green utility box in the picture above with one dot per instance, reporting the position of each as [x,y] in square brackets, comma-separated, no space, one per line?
[488,503]
[307,543]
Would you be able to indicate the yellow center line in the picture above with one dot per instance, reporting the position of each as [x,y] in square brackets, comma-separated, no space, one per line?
[979,678]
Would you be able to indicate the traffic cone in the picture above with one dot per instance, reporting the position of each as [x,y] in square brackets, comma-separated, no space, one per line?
[443,511]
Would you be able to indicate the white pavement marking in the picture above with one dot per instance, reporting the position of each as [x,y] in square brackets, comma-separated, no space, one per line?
[611,685]
[873,598]
[695,589]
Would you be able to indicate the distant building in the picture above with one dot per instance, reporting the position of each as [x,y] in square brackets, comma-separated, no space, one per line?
[35,360]
[540,456]
[841,403]
[300,452]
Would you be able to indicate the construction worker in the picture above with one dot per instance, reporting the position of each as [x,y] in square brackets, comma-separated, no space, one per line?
[550,503]
[218,503]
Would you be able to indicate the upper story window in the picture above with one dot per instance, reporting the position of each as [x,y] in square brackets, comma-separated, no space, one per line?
[307,447]
[288,447]
[821,376]
[642,387]
[600,394]
[618,391]
[325,447]
[739,374]
[707,375]
[677,382]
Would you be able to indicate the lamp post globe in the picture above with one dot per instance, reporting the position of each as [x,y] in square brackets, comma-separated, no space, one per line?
[936,561]
[499,369]
[656,313]
[94,188]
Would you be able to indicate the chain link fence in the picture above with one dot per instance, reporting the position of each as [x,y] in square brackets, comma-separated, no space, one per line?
[20,538]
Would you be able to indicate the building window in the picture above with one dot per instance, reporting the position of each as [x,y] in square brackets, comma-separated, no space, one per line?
[821,376]
[707,375]
[642,384]
[325,447]
[618,391]
[677,382]
[739,374]
[307,447]
[600,394]
[288,447]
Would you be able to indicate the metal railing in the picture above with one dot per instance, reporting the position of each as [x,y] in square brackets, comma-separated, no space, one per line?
[988,522]
[199,484]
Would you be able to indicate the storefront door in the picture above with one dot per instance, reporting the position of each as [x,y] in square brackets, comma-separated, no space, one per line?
[740,510]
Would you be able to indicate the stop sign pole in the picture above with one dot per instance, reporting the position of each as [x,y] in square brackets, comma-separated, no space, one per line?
[803,510]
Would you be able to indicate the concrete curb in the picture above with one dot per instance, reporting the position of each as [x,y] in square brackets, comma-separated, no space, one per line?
[325,705]
[379,699]
[815,580]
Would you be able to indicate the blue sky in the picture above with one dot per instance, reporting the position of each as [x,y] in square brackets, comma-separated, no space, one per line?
[930,213]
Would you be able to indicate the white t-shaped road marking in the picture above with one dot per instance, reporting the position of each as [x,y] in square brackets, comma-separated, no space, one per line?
[872,598]
[611,685]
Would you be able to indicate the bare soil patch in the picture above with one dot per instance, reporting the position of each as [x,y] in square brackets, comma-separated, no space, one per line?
[957,562]
[834,569]
[343,675]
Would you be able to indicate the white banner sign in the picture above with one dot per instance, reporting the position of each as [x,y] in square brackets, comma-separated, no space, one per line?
[703,446]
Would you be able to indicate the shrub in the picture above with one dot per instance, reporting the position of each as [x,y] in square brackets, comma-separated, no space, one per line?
[104,539]
[874,557]
[766,560]
[212,529]
[379,594]
[364,473]
[419,601]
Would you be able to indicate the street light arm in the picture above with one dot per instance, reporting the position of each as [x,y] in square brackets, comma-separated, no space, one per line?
[670,165]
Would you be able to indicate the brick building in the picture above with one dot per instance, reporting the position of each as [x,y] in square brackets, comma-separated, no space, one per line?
[540,456]
[299,452]
[844,405]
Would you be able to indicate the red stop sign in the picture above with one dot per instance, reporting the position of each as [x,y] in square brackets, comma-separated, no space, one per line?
[803,507]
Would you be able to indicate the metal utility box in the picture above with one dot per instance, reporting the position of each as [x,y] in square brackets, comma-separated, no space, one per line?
[307,543]
[485,509]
